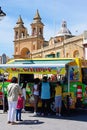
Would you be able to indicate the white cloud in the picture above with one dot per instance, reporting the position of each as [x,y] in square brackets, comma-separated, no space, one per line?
[52,13]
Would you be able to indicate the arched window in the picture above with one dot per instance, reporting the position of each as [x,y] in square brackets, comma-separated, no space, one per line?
[22,34]
[67,54]
[16,34]
[76,53]
[40,31]
[34,31]
[50,56]
[58,54]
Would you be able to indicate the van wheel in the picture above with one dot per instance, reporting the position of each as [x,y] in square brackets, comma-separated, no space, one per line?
[52,106]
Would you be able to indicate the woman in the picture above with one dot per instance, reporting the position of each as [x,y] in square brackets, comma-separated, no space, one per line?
[24,94]
[13,91]
[36,95]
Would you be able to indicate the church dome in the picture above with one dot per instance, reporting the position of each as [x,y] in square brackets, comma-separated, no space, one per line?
[64,31]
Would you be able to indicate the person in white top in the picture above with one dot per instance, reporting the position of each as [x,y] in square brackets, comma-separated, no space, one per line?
[13,90]
[36,95]
[24,94]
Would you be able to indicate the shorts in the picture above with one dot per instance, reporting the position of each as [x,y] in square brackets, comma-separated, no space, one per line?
[58,101]
[24,93]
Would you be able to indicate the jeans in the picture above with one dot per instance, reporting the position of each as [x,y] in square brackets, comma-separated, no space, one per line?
[18,114]
[46,106]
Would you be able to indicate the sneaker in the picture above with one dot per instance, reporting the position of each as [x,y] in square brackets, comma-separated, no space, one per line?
[38,113]
[9,122]
[59,115]
[42,114]
[20,120]
[35,113]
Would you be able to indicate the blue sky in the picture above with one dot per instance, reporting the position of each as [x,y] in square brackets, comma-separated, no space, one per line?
[52,12]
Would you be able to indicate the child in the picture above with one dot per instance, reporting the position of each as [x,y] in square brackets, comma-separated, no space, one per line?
[19,107]
[58,98]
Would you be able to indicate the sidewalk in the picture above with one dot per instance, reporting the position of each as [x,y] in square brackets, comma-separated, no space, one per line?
[45,123]
[29,122]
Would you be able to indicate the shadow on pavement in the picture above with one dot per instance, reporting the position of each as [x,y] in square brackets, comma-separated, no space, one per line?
[30,122]
[77,115]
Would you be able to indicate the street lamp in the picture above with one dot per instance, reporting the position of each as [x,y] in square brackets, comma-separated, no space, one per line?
[2,14]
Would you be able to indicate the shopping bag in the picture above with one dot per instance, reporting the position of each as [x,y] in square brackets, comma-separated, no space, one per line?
[31,99]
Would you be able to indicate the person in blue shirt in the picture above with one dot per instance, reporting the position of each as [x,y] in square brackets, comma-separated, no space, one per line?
[45,96]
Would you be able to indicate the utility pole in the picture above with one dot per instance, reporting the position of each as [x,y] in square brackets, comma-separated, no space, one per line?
[2,15]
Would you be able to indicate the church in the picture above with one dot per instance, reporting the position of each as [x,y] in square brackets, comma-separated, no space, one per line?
[34,45]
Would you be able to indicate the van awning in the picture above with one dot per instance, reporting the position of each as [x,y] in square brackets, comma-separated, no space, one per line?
[41,61]
[31,68]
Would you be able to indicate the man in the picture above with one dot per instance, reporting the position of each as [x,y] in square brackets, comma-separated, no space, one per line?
[45,96]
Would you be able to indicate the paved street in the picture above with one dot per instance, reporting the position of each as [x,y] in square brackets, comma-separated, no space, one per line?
[72,122]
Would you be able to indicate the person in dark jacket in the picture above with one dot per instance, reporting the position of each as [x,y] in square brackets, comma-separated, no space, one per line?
[45,96]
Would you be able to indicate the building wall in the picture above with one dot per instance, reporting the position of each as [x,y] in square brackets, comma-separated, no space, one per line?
[66,48]
[72,47]
[33,46]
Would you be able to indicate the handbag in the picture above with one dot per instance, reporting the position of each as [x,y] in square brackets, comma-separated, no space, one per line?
[31,99]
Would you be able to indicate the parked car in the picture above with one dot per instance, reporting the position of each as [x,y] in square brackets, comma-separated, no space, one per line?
[2,78]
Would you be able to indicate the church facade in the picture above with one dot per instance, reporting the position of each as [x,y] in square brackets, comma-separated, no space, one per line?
[34,45]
